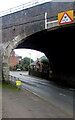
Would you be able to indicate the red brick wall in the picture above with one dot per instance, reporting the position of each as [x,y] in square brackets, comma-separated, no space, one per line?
[13,61]
[31,20]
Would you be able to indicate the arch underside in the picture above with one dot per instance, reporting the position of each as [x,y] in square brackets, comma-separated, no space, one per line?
[58,46]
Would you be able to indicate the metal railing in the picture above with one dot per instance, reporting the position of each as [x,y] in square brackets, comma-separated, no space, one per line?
[23,6]
[13,79]
[50,24]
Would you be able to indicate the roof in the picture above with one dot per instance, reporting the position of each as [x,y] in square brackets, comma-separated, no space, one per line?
[34,63]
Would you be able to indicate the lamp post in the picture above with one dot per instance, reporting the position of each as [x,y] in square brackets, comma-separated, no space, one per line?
[30,57]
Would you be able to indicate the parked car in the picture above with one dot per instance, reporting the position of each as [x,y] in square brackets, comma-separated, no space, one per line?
[18,69]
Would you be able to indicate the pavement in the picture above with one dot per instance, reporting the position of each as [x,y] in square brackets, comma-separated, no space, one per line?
[24,104]
[57,95]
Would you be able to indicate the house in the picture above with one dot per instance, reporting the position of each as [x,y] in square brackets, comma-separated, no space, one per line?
[14,59]
[37,65]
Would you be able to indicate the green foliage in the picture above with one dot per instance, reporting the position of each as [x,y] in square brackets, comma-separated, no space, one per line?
[23,65]
[26,60]
[19,66]
[26,63]
[45,65]
[9,86]
[45,61]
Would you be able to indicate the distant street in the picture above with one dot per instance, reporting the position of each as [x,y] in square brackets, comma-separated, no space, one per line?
[57,96]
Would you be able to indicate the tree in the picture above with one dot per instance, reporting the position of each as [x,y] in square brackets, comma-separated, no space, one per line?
[19,66]
[23,65]
[45,65]
[26,63]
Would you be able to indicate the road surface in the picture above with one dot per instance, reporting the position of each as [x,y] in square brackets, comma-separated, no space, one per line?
[59,97]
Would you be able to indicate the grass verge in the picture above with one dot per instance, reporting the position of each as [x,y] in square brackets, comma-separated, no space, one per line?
[8,85]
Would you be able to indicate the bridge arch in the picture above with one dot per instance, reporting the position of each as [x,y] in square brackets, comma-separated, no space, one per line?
[56,46]
[7,52]
[33,41]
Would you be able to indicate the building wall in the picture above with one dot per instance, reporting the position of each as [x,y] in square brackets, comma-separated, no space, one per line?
[13,61]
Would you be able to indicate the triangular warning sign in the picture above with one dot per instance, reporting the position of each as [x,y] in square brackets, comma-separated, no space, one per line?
[65,19]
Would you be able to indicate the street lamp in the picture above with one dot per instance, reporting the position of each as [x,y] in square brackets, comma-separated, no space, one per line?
[30,57]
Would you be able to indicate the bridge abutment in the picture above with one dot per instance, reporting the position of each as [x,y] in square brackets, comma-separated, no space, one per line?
[0,49]
[5,70]
[7,49]
[0,67]
[5,63]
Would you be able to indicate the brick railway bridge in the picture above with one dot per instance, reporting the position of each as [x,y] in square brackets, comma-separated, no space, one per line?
[36,27]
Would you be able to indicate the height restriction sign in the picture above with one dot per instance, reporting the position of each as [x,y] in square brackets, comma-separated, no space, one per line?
[65,17]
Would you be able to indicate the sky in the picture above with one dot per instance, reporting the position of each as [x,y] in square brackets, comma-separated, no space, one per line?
[29,53]
[6,4]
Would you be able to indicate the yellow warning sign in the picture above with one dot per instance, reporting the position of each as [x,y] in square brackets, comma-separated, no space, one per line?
[18,82]
[65,17]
